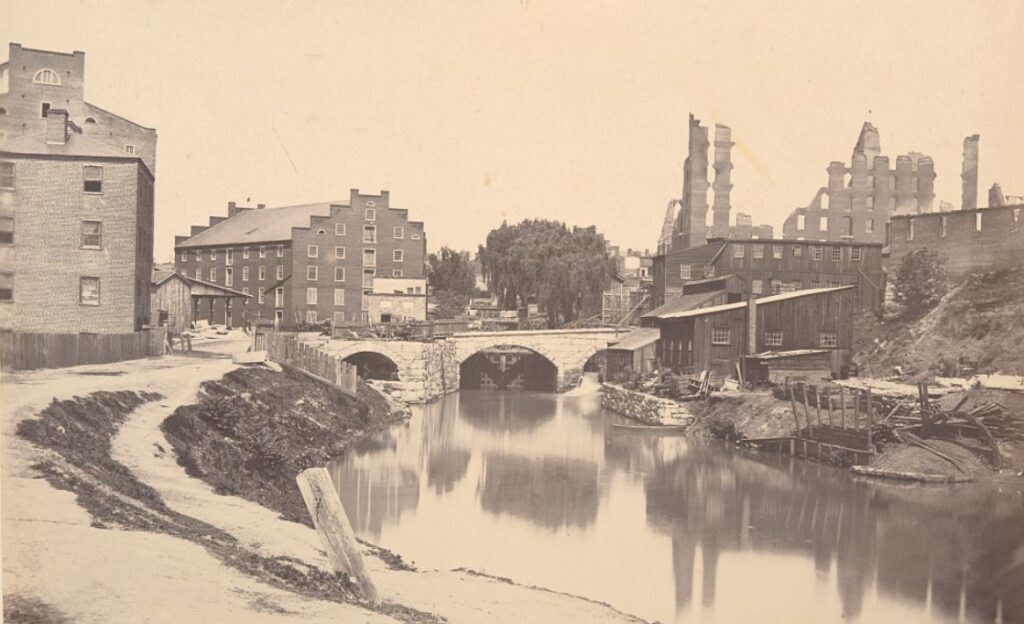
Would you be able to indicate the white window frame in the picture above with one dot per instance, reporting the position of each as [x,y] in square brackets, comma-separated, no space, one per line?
[773,338]
[756,286]
[738,251]
[720,336]
[757,251]
[398,232]
[311,295]
[397,273]
[245,274]
[280,251]
[869,226]
[685,271]
[778,252]
[837,251]
[339,252]
[46,76]
[129,149]
[339,297]
[828,339]
[398,255]
[99,235]
[312,273]
[801,222]
[817,252]
[261,295]
[369,214]
[373,253]
[279,297]
[213,254]
[212,275]
[7,180]
[279,272]
[229,257]
[369,234]
[229,276]
[312,251]
[245,253]
[340,229]
[262,273]
[856,254]
[342,274]
[81,293]
[263,251]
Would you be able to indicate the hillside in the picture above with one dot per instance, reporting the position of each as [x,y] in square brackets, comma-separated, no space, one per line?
[981,319]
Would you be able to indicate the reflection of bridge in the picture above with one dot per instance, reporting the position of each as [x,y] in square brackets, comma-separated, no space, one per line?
[431,369]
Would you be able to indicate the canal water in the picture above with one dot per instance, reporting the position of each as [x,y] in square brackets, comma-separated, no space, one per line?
[541,489]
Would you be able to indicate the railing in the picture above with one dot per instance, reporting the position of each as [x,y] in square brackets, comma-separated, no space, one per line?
[25,351]
[414,330]
[287,350]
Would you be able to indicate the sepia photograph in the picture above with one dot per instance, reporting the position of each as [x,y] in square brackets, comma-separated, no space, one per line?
[512,311]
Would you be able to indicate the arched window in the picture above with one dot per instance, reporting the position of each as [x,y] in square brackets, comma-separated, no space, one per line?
[47,77]
[90,120]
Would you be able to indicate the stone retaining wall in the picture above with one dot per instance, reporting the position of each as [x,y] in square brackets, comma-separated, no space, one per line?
[643,407]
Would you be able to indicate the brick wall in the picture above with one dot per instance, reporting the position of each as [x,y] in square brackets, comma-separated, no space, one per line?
[999,243]
[322,234]
[47,257]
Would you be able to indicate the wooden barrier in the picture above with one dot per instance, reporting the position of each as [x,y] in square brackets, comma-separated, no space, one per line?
[814,438]
[24,351]
[287,350]
[334,528]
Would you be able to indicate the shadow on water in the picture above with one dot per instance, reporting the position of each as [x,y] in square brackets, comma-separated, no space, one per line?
[699,528]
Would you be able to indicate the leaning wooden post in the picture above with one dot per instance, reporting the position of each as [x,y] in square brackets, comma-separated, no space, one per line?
[807,410]
[828,394]
[817,403]
[870,422]
[792,401]
[842,406]
[856,409]
[333,527]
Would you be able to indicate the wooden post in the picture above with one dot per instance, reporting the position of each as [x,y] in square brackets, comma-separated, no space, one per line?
[870,422]
[842,406]
[333,527]
[792,401]
[817,403]
[856,409]
[828,394]
[807,412]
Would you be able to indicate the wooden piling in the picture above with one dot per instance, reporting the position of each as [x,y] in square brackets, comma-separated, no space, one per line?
[817,403]
[870,422]
[807,411]
[829,398]
[792,402]
[333,527]
[842,406]
[856,409]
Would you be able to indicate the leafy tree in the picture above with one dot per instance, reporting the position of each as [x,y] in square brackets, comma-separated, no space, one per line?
[450,304]
[920,282]
[563,269]
[450,270]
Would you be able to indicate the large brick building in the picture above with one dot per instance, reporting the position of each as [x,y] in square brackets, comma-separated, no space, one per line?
[304,264]
[971,241]
[76,203]
[766,267]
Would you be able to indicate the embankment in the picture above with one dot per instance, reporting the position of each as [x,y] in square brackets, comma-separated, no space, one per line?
[645,408]
[254,430]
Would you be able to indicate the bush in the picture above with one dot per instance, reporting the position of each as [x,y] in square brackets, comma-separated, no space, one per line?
[920,282]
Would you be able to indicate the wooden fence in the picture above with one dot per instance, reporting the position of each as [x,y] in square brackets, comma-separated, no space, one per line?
[21,351]
[832,424]
[287,350]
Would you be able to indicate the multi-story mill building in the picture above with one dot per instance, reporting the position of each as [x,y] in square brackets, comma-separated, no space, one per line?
[310,263]
[76,203]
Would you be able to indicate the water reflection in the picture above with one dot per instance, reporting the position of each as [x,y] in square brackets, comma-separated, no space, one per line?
[539,488]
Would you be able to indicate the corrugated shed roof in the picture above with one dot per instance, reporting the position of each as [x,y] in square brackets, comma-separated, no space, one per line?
[259,225]
[637,339]
[796,294]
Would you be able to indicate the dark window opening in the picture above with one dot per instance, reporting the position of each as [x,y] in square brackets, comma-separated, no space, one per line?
[45,109]
[90,120]
[93,179]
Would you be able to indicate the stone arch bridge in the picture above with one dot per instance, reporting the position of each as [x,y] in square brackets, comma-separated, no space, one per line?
[428,370]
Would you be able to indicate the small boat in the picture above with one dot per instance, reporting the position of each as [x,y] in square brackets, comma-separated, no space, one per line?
[655,428]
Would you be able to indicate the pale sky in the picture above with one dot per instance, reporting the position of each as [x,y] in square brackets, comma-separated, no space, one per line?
[477,111]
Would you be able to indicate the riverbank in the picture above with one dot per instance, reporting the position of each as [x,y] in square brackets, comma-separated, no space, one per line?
[117,531]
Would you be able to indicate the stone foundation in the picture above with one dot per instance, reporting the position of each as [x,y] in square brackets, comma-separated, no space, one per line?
[645,408]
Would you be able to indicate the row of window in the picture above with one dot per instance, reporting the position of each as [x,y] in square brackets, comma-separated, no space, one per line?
[312,274]
[88,289]
[92,233]
[847,222]
[721,336]
[92,177]
[778,251]
[369,255]
[229,255]
[978,219]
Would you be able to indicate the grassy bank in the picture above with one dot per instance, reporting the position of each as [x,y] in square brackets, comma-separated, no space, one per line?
[251,432]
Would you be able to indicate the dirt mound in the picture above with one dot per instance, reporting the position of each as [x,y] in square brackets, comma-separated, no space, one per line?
[917,460]
[737,416]
[978,320]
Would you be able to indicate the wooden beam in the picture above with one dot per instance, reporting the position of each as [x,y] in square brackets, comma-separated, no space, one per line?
[792,401]
[842,406]
[829,398]
[332,525]
[817,403]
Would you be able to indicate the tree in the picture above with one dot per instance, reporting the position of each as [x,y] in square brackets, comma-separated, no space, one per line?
[920,282]
[565,270]
[450,270]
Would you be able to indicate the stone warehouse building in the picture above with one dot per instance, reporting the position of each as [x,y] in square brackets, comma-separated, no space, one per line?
[310,263]
[774,266]
[76,203]
[971,241]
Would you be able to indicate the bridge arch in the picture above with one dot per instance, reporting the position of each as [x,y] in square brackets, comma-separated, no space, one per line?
[381,349]
[506,365]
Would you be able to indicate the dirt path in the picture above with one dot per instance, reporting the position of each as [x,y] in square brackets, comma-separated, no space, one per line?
[52,553]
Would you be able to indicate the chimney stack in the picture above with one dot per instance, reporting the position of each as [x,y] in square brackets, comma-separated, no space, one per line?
[723,173]
[56,126]
[969,176]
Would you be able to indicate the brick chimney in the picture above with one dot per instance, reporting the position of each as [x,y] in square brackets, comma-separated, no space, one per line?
[56,126]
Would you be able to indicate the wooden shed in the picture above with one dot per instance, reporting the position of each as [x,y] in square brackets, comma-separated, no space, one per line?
[635,354]
[715,338]
[174,299]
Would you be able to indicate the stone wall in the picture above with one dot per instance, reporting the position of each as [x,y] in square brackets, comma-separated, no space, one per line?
[646,408]
[426,370]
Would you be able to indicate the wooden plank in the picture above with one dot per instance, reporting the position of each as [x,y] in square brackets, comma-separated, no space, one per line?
[871,447]
[333,527]
[817,403]
[829,398]
[856,409]
[792,401]
[807,413]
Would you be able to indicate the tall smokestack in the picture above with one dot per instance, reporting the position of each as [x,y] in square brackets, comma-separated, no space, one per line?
[723,174]
[969,176]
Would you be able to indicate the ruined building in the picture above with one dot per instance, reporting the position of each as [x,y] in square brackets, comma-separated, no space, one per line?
[696,219]
[860,198]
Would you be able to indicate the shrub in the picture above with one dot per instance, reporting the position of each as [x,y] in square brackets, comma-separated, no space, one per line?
[920,282]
